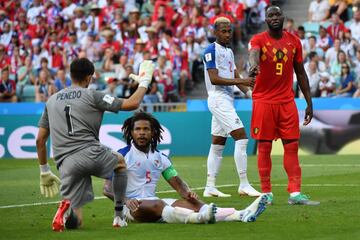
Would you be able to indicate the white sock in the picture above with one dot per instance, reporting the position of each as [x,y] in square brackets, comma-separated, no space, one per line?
[240,157]
[294,194]
[181,215]
[176,215]
[213,163]
[235,217]
[222,214]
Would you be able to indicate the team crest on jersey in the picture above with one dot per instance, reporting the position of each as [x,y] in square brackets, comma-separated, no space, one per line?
[157,163]
[237,120]
[280,54]
[256,130]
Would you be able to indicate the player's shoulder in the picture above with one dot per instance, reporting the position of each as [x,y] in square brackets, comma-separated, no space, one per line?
[162,155]
[260,35]
[291,37]
[125,150]
[210,48]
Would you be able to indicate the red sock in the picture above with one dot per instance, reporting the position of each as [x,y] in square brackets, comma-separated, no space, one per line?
[292,167]
[264,165]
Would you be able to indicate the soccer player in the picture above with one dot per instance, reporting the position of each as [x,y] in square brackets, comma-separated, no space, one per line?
[73,117]
[274,55]
[145,165]
[220,77]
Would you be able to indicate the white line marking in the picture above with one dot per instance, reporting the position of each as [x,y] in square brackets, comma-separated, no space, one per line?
[197,188]
[330,165]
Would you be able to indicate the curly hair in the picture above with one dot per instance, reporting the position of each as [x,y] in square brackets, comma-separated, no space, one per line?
[156,128]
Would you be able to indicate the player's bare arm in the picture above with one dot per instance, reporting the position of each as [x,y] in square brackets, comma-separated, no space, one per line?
[217,80]
[303,82]
[254,59]
[41,140]
[246,90]
[182,188]
[134,101]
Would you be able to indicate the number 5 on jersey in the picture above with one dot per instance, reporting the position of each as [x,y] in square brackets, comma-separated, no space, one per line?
[69,123]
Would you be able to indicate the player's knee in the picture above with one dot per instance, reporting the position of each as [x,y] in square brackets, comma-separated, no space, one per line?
[291,146]
[265,146]
[121,164]
[158,206]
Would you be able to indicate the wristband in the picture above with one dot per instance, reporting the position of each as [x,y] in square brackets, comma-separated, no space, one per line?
[44,168]
[144,84]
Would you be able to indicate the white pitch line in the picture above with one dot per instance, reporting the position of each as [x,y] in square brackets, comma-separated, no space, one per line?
[330,165]
[197,188]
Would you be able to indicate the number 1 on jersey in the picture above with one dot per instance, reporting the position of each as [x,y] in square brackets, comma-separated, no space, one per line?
[67,110]
[279,68]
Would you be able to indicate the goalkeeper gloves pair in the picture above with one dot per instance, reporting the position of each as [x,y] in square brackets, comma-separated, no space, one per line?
[145,74]
[49,182]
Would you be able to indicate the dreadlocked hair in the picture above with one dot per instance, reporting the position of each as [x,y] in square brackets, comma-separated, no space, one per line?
[156,128]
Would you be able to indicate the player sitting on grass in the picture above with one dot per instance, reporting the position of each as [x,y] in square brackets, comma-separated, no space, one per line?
[145,165]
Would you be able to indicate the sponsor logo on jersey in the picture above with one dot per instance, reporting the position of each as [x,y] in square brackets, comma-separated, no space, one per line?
[256,130]
[157,163]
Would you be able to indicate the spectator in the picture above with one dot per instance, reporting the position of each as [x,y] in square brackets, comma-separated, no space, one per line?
[321,67]
[318,10]
[193,52]
[7,87]
[314,78]
[336,29]
[4,59]
[326,84]
[108,63]
[119,68]
[311,47]
[336,67]
[68,10]
[340,9]
[151,96]
[92,47]
[148,7]
[137,57]
[331,53]
[61,80]
[323,41]
[163,76]
[34,11]
[43,89]
[346,87]
[71,48]
[301,35]
[6,34]
[290,26]
[57,57]
[112,83]
[25,74]
[355,25]
[44,66]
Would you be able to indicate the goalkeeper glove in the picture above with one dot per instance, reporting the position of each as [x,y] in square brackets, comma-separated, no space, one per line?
[145,74]
[49,182]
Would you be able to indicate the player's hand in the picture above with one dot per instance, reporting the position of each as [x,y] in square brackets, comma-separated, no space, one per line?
[145,73]
[308,115]
[192,196]
[254,71]
[49,184]
[133,204]
[248,82]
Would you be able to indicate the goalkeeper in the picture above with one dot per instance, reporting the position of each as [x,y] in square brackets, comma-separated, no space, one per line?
[145,166]
[72,117]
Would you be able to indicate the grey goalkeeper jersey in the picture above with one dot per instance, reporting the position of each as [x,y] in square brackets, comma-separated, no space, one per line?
[74,116]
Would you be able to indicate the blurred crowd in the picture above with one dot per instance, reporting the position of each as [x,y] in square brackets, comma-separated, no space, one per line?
[40,38]
[331,47]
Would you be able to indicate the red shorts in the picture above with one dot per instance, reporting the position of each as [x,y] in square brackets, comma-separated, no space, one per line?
[273,121]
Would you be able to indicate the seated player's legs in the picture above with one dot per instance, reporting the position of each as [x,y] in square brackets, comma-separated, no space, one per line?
[289,132]
[264,129]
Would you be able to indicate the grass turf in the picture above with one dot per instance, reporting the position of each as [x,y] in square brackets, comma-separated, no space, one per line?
[334,180]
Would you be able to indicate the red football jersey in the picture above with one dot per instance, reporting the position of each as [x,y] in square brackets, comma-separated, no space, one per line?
[274,84]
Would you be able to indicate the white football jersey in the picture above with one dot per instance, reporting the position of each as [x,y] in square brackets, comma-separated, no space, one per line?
[143,171]
[221,58]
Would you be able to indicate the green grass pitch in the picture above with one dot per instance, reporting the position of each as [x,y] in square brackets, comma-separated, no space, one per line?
[333,180]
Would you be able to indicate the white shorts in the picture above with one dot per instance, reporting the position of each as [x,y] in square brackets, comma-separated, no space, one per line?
[224,117]
[130,218]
